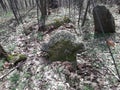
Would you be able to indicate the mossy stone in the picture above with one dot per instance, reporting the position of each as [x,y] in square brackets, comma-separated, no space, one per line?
[16,58]
[64,51]
[66,19]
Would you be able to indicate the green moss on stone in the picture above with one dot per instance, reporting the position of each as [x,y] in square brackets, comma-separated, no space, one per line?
[66,19]
[11,57]
[16,58]
[58,22]
[63,50]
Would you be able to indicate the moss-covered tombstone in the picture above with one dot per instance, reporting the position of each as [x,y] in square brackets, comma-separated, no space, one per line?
[63,46]
[64,50]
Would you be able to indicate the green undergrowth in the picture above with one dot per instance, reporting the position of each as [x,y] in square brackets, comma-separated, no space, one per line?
[14,81]
[39,36]
[2,61]
[13,59]
[5,16]
[88,87]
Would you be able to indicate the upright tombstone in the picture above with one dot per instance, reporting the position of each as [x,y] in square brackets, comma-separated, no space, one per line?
[102,15]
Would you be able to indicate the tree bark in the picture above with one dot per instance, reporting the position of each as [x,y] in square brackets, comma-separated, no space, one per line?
[43,9]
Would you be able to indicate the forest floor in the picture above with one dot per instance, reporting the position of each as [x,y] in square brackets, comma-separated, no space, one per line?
[95,70]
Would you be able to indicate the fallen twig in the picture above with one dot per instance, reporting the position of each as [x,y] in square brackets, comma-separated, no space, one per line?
[3,76]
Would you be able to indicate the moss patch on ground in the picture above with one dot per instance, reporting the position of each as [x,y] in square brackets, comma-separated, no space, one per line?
[16,58]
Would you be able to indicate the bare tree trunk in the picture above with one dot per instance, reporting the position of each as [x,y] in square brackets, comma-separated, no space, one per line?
[80,9]
[3,5]
[26,4]
[88,3]
[43,9]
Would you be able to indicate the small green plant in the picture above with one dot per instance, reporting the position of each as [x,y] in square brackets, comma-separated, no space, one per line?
[11,47]
[2,31]
[1,63]
[39,36]
[14,81]
[88,87]
[27,75]
[8,14]
[60,87]
[14,78]
[22,85]
[112,80]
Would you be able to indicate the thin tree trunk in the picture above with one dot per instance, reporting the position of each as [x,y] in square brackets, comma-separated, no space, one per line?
[43,9]
[80,9]
[26,4]
[88,3]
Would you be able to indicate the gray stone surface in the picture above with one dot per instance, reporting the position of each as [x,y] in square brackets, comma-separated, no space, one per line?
[106,19]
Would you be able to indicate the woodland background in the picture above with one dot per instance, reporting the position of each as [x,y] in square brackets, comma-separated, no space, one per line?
[50,45]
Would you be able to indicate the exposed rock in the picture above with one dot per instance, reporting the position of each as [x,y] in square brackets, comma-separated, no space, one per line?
[63,46]
[54,25]
[15,59]
[29,27]
[3,53]
[106,20]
